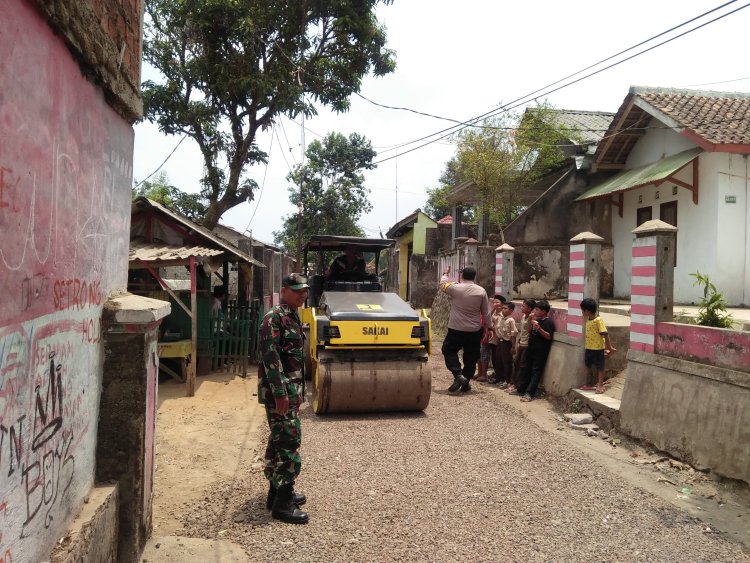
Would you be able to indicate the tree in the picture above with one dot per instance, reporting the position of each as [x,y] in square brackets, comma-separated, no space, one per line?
[436,206]
[331,188]
[232,67]
[503,158]
[192,206]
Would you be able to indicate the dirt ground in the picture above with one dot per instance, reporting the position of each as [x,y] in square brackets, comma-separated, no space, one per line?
[213,438]
[202,440]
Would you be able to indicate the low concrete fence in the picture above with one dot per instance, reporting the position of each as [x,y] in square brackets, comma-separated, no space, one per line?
[699,413]
[718,347]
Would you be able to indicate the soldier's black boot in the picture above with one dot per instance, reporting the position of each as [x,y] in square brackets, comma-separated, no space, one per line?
[297,498]
[284,508]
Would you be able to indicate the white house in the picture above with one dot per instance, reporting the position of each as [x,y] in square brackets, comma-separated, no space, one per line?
[681,156]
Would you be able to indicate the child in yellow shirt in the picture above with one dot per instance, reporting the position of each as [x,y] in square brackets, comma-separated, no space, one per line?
[597,341]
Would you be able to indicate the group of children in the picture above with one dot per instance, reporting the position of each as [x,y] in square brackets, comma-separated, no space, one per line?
[519,354]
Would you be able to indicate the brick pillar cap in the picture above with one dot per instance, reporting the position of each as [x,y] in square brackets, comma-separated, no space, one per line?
[652,227]
[504,246]
[471,241]
[461,240]
[587,236]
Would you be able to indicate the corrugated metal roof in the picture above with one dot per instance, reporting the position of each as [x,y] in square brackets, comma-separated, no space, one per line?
[159,252]
[642,175]
[234,236]
[142,203]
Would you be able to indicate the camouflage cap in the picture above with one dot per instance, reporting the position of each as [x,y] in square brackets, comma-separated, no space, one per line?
[294,281]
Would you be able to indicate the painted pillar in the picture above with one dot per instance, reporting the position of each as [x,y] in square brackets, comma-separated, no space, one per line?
[127,414]
[652,282]
[504,270]
[584,276]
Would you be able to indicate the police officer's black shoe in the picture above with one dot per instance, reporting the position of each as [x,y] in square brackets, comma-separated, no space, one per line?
[284,508]
[297,498]
[458,382]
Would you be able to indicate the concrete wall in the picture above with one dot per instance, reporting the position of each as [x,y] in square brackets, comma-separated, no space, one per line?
[65,177]
[706,345]
[540,272]
[696,412]
[438,239]
[554,218]
[422,271]
[92,537]
[719,247]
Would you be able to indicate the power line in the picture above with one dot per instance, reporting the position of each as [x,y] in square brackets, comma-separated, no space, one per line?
[164,161]
[263,185]
[508,106]
[283,130]
[720,82]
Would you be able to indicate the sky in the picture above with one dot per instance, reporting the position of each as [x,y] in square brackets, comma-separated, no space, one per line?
[459,60]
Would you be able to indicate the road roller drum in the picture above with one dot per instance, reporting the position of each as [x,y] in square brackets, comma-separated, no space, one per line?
[358,381]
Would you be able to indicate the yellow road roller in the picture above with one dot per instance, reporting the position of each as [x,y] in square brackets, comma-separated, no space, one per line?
[366,350]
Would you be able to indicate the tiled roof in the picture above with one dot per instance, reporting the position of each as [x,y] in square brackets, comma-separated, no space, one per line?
[590,125]
[447,220]
[718,117]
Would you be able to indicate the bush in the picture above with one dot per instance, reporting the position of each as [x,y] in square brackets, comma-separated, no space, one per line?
[712,307]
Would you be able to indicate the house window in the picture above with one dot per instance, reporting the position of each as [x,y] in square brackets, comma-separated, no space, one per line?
[642,215]
[668,214]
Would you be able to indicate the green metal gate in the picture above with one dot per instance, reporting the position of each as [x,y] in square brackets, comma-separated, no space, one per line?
[234,338]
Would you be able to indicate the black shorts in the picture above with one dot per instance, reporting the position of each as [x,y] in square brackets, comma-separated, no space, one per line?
[594,358]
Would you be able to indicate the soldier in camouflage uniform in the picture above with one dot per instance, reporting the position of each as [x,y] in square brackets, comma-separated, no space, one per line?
[281,388]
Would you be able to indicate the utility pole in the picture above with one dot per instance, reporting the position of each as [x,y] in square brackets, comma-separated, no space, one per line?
[299,237]
[300,269]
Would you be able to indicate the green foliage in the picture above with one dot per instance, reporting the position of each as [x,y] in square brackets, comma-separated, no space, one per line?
[231,67]
[507,155]
[192,206]
[436,205]
[331,187]
[576,405]
[712,306]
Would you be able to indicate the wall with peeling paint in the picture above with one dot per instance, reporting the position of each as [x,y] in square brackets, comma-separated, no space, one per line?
[65,176]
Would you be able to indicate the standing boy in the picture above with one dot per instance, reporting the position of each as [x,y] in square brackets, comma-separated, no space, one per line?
[540,343]
[506,333]
[519,353]
[486,350]
[597,341]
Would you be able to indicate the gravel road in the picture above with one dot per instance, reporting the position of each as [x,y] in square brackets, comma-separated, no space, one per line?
[470,479]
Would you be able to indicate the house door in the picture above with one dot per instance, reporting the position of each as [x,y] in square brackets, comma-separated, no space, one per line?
[668,214]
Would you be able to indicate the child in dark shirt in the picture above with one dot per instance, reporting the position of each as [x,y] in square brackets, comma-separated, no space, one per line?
[540,343]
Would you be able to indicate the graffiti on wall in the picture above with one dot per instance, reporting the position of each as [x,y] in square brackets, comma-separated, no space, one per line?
[44,422]
[65,176]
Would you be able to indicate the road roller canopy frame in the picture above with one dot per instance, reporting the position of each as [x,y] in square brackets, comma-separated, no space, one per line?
[327,246]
